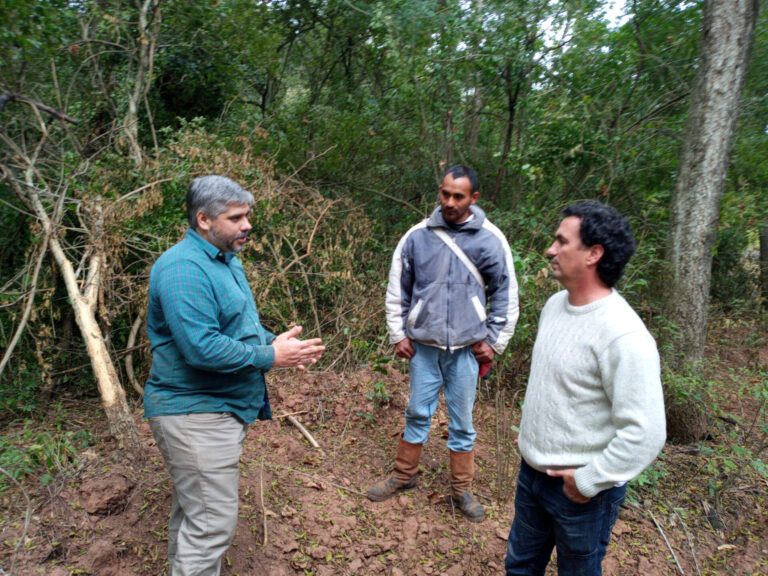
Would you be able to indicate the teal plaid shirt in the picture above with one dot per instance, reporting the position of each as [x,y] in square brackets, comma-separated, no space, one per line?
[209,350]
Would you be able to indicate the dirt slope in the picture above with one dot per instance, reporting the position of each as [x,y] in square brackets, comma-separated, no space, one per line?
[303,510]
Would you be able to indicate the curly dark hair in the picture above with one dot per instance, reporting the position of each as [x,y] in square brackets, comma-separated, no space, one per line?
[604,225]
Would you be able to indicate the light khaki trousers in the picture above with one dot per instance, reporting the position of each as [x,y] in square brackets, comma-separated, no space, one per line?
[202,453]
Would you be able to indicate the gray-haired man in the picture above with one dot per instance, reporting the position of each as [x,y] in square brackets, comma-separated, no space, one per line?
[209,356]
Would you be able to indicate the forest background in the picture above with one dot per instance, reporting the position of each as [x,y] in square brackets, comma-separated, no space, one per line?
[340,116]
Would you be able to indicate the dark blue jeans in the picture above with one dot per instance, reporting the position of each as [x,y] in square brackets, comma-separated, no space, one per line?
[545,517]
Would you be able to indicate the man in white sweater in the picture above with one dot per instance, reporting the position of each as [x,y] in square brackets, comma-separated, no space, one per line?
[593,416]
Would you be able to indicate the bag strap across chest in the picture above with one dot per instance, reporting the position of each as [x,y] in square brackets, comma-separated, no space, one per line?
[460,254]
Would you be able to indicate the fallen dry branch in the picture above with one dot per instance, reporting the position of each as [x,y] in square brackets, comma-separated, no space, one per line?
[301,429]
[285,414]
[658,527]
[690,542]
[316,478]
[11,97]
[129,354]
[261,497]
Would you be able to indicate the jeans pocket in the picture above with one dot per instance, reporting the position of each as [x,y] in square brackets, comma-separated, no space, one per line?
[614,498]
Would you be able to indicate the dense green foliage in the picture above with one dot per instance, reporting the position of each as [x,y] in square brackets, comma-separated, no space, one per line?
[341,116]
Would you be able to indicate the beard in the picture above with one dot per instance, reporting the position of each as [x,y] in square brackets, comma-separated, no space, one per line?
[454,215]
[227,243]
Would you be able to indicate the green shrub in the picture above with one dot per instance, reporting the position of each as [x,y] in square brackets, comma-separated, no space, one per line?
[29,452]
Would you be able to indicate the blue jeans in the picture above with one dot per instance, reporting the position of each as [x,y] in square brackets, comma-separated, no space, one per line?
[431,370]
[545,517]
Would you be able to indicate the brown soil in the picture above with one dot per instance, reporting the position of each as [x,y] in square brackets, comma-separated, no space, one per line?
[303,510]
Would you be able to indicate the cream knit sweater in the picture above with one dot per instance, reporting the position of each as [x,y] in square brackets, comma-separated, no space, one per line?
[594,399]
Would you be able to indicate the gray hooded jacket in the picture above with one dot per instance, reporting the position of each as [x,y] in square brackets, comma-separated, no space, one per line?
[434,299]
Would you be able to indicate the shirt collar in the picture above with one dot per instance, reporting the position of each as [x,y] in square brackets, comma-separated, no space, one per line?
[211,250]
[460,225]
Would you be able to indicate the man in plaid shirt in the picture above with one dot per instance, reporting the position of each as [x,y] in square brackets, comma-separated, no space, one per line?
[209,356]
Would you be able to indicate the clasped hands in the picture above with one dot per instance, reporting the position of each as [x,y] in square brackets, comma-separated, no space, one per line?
[290,352]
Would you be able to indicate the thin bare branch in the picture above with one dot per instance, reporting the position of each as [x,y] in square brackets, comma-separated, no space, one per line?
[261,496]
[669,546]
[314,477]
[304,165]
[690,542]
[297,259]
[16,208]
[308,283]
[297,413]
[12,96]
[132,193]
[27,308]
[129,354]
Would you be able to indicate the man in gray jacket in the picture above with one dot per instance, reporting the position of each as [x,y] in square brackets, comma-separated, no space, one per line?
[451,306]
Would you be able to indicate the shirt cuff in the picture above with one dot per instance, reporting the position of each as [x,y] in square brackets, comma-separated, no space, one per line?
[263,357]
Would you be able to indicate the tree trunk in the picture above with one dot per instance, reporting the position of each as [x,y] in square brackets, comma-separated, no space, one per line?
[727,38]
[472,128]
[119,416]
[83,299]
[513,94]
[121,424]
[516,82]
[149,31]
[448,151]
[764,264]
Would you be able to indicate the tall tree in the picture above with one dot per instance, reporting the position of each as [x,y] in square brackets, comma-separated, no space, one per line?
[764,263]
[728,34]
[147,35]
[133,28]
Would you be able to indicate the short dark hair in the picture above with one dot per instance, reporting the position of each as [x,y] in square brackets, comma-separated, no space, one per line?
[212,194]
[461,171]
[604,225]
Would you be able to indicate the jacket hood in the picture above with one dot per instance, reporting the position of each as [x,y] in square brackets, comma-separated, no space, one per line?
[436,219]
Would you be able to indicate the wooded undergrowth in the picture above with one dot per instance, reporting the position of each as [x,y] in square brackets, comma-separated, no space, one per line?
[340,116]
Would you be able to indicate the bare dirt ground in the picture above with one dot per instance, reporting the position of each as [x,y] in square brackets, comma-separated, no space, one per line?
[303,510]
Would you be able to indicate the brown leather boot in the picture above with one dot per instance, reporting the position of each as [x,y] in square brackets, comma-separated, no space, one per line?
[462,472]
[403,476]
